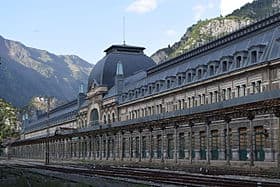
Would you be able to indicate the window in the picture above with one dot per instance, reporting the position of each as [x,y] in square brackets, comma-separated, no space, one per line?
[158,87]
[238,91]
[253,87]
[136,93]
[216,96]
[189,77]
[203,99]
[159,151]
[180,105]
[193,101]
[150,89]
[243,144]
[229,93]
[199,74]
[143,92]
[214,144]
[202,137]
[104,119]
[199,96]
[224,66]
[181,146]
[258,86]
[224,94]
[113,117]
[238,61]
[254,56]
[109,118]
[168,83]
[211,97]
[189,102]
[244,89]
[179,80]
[211,70]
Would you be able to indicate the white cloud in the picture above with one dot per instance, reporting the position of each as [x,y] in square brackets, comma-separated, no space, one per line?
[142,6]
[228,6]
[170,32]
[200,9]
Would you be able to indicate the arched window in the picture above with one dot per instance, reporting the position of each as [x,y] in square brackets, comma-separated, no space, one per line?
[113,117]
[94,116]
[104,119]
[109,118]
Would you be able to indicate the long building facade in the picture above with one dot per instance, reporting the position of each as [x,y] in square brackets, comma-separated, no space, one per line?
[216,104]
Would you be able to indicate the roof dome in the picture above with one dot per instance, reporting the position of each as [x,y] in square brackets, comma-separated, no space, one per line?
[132,59]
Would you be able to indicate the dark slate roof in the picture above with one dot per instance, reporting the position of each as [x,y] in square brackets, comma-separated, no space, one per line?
[266,32]
[57,115]
[132,58]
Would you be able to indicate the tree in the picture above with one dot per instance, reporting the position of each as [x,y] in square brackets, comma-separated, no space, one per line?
[8,121]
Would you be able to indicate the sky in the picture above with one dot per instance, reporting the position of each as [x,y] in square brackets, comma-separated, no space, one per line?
[87,27]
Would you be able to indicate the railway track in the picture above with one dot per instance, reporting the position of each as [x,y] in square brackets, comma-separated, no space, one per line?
[155,176]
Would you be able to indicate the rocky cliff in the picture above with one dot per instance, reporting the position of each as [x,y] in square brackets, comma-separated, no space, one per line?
[27,72]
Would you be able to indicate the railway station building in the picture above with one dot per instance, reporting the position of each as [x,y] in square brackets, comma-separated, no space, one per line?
[218,103]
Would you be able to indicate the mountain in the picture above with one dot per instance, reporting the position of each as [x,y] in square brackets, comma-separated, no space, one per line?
[27,72]
[206,30]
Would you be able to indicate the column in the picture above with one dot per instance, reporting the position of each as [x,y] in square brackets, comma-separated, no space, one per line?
[251,116]
[277,114]
[140,144]
[100,147]
[47,149]
[227,120]
[130,146]
[92,148]
[115,146]
[80,147]
[207,124]
[162,144]
[88,147]
[121,145]
[151,143]
[175,143]
[107,146]
[191,142]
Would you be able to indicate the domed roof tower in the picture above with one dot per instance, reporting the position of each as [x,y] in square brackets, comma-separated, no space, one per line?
[132,59]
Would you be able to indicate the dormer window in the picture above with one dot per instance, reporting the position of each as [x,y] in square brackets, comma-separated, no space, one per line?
[189,77]
[150,89]
[158,87]
[211,70]
[238,61]
[224,66]
[136,93]
[254,56]
[179,80]
[199,74]
[143,92]
[168,83]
